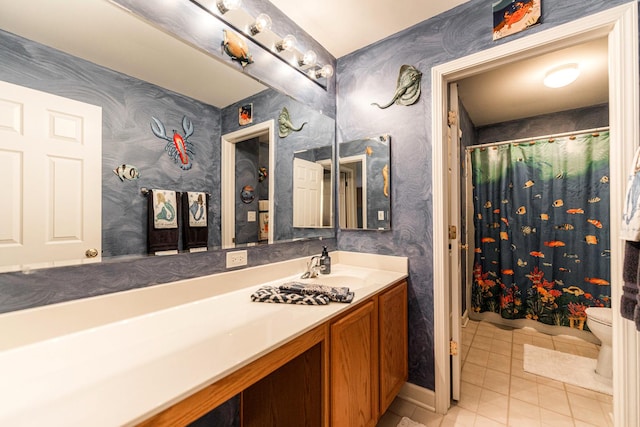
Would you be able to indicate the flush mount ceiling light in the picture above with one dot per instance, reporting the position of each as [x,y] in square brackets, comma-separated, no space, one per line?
[561,76]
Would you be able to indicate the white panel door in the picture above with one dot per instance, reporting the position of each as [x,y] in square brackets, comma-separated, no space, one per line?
[307,193]
[50,149]
[455,281]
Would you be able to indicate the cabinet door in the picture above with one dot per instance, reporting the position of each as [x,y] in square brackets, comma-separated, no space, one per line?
[354,362]
[393,343]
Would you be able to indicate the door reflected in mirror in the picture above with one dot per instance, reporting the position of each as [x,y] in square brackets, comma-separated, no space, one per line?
[132,85]
[312,188]
[364,189]
[247,192]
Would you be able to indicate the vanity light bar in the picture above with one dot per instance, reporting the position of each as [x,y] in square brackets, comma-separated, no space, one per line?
[259,31]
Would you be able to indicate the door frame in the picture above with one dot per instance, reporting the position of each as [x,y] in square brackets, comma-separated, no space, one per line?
[327,164]
[228,178]
[620,25]
[348,164]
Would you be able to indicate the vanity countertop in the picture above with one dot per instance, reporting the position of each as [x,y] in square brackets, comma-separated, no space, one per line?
[110,361]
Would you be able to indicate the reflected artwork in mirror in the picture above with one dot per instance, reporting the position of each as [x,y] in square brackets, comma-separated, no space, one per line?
[364,188]
[156,85]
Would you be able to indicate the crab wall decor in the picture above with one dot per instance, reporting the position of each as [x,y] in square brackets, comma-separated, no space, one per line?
[178,147]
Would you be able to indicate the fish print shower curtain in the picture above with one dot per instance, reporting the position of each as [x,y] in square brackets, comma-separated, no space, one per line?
[541,216]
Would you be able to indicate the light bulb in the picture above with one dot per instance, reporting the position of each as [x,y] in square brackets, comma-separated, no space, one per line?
[225,6]
[309,59]
[326,72]
[262,22]
[287,43]
[561,76]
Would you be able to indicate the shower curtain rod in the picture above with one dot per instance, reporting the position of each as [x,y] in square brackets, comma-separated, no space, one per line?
[555,135]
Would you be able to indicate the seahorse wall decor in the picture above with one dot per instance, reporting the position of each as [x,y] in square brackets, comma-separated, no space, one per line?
[408,87]
[285,127]
[385,177]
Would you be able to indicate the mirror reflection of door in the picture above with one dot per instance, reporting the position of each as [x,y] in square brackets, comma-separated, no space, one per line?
[353,193]
[250,189]
[231,187]
[366,204]
[313,188]
[307,193]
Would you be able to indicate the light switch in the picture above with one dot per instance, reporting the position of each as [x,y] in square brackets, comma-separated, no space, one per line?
[251,216]
[380,215]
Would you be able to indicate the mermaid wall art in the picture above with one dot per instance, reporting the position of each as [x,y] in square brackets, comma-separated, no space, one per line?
[164,209]
[197,209]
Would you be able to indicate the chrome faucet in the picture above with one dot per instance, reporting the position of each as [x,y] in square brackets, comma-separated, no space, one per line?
[313,268]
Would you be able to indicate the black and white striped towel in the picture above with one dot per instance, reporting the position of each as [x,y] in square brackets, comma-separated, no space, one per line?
[334,293]
[272,294]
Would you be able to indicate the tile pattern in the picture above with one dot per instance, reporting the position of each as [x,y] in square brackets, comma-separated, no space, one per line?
[496,391]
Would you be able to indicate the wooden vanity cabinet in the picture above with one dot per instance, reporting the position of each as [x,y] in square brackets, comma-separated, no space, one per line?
[353,373]
[393,338]
[368,358]
[343,373]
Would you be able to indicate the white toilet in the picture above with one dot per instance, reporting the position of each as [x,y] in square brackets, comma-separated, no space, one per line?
[599,320]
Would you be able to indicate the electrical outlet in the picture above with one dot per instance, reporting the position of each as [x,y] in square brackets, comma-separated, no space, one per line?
[236,259]
[380,215]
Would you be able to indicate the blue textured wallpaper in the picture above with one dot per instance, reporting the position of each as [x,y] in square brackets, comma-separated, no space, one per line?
[369,75]
[318,132]
[128,104]
[366,76]
[564,121]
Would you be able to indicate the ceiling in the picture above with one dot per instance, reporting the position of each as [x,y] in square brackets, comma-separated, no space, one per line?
[516,91]
[104,34]
[344,26]
[512,92]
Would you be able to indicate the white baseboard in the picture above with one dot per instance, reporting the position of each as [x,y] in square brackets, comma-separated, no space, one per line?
[419,396]
[465,318]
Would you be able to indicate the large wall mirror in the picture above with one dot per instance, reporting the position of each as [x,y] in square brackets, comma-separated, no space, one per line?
[364,188]
[100,54]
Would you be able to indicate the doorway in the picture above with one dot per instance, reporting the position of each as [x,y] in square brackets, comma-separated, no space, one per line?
[619,25]
[265,132]
[353,192]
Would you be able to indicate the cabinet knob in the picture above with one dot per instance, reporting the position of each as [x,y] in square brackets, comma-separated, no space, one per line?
[91,253]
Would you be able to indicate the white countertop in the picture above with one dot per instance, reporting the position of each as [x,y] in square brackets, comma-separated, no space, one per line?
[118,359]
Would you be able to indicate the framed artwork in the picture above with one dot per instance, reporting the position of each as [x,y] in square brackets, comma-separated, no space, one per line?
[245,114]
[513,16]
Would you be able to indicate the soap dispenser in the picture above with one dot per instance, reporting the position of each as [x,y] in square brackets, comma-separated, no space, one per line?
[325,261]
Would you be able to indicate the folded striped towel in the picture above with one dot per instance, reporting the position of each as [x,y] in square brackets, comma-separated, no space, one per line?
[272,294]
[336,294]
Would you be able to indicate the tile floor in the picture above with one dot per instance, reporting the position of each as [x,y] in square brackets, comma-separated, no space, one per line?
[497,392]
